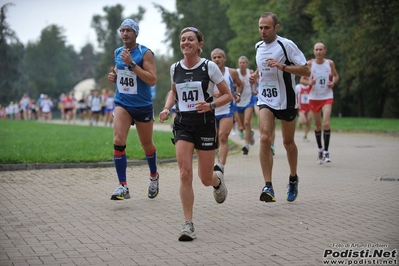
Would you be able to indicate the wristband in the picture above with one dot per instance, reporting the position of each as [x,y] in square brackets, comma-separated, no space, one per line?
[283,67]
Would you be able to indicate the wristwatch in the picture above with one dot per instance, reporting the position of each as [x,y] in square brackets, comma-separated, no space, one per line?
[238,94]
[132,65]
[213,105]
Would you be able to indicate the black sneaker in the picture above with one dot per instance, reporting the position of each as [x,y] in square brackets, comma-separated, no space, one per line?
[153,187]
[245,150]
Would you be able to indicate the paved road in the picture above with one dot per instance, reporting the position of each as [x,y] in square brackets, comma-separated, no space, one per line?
[65,216]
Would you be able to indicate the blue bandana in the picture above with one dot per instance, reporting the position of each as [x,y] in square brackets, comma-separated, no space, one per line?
[132,24]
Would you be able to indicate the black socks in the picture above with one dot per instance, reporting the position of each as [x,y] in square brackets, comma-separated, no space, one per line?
[293,178]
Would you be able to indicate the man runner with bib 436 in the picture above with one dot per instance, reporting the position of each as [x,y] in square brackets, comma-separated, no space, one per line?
[278,60]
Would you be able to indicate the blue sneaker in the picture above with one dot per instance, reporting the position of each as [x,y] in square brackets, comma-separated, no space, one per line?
[292,192]
[267,195]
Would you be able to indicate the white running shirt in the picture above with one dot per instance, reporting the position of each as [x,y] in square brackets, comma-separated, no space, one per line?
[322,73]
[246,94]
[275,89]
[227,108]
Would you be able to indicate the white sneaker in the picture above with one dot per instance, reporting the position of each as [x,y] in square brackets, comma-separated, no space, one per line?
[121,193]
[326,157]
[320,157]
[188,232]
[220,194]
[153,187]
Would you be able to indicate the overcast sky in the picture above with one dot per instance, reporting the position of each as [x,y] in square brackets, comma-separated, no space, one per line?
[29,17]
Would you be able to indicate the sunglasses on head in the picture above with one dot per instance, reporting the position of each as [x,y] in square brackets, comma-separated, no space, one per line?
[190,28]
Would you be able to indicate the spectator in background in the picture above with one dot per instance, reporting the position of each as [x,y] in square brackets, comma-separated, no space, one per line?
[16,110]
[109,108]
[39,100]
[2,112]
[33,110]
[10,111]
[61,107]
[104,96]
[82,107]
[69,105]
[25,106]
[46,105]
[88,101]
[96,107]
[75,107]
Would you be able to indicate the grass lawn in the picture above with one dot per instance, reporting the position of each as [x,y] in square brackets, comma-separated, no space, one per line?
[367,125]
[37,142]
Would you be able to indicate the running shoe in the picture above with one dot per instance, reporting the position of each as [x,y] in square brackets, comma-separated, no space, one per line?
[320,157]
[241,133]
[188,232]
[219,167]
[153,187]
[292,192]
[326,157]
[252,137]
[267,195]
[305,139]
[220,194]
[272,149]
[121,193]
[245,150]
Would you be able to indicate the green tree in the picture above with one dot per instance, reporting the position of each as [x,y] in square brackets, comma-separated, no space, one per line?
[163,63]
[362,39]
[85,63]
[214,25]
[295,24]
[243,17]
[49,65]
[12,79]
